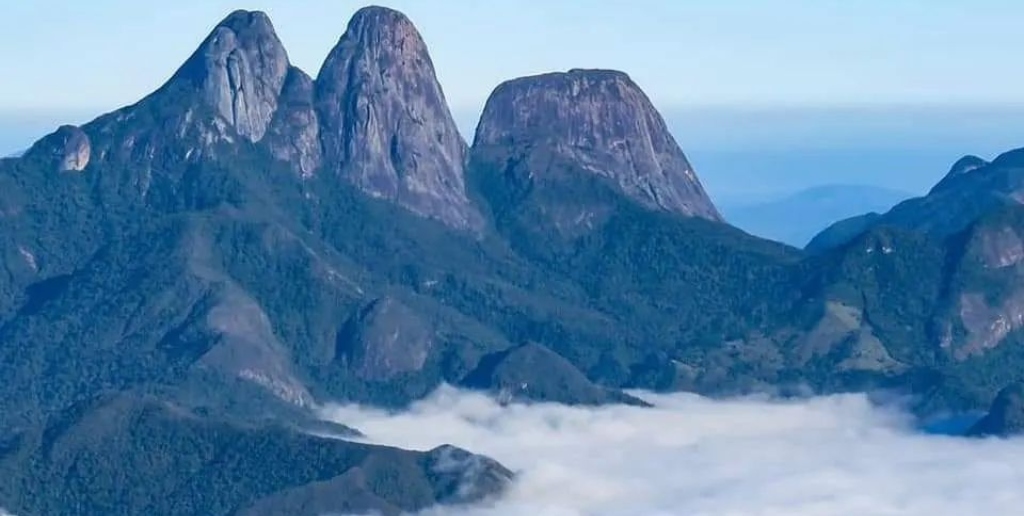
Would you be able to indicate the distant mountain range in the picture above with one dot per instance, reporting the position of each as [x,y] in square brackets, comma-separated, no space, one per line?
[186,278]
[796,218]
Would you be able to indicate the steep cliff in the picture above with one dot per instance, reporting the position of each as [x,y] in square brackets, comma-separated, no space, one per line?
[385,124]
[539,131]
[239,71]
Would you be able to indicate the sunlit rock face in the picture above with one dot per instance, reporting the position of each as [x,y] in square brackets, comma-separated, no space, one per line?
[384,123]
[239,71]
[601,122]
[68,148]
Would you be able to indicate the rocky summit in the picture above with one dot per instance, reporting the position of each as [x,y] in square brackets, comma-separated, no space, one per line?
[964,165]
[385,124]
[600,122]
[294,133]
[239,72]
[375,116]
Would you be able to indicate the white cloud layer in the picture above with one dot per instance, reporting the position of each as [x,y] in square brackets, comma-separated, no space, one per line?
[835,455]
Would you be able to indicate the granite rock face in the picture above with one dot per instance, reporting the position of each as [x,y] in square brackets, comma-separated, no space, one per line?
[385,339]
[601,122]
[384,122]
[227,92]
[239,71]
[294,133]
[68,147]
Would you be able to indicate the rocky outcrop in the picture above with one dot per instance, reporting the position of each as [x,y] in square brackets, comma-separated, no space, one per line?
[599,121]
[384,122]
[385,339]
[987,323]
[68,148]
[227,92]
[461,476]
[239,72]
[999,247]
[533,372]
[377,117]
[294,133]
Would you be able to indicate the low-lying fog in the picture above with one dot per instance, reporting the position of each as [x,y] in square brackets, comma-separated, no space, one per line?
[835,455]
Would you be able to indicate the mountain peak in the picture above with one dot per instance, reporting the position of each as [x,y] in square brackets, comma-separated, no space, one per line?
[602,121]
[242,21]
[964,165]
[385,124]
[239,71]
[597,73]
[375,16]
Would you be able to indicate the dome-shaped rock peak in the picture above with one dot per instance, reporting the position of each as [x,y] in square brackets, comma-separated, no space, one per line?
[384,123]
[600,121]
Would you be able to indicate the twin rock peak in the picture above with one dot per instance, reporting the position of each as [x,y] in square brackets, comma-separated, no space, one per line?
[376,116]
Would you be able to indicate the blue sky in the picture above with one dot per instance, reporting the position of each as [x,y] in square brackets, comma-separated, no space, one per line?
[101,54]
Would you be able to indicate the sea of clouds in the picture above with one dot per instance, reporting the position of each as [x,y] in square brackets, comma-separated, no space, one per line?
[834,455]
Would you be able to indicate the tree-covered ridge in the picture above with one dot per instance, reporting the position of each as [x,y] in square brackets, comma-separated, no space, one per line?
[129,453]
[186,252]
